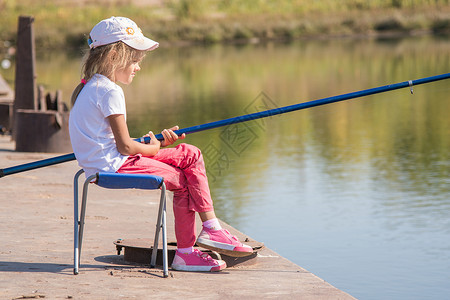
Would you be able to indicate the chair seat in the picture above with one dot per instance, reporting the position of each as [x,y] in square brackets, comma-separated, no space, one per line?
[129,181]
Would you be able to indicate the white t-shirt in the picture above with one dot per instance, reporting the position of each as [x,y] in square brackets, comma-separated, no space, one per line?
[91,136]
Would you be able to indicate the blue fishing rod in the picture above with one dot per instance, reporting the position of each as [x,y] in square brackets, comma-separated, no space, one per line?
[239,119]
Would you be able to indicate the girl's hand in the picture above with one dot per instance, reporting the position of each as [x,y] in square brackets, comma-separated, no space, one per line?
[153,139]
[171,137]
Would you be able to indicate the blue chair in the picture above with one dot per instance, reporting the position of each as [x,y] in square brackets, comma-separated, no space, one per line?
[120,181]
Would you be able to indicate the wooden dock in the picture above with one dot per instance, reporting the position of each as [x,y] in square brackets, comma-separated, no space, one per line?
[36,257]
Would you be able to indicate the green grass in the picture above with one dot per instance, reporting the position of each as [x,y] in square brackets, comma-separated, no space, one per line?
[65,23]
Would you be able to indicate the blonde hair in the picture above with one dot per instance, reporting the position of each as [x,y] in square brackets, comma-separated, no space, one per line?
[105,60]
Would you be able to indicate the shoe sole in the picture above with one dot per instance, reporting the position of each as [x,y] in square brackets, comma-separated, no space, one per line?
[215,246]
[186,268]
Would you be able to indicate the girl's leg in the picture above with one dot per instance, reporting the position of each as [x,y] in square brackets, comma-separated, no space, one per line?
[207,215]
[190,160]
[183,204]
[184,173]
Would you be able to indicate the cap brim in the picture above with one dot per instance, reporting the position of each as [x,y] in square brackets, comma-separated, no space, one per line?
[144,44]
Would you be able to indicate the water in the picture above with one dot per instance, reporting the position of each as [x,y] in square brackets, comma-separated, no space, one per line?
[356,192]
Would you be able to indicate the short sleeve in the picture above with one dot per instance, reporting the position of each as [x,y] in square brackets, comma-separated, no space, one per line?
[113,103]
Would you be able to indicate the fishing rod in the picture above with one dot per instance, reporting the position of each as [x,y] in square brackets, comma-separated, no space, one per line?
[239,119]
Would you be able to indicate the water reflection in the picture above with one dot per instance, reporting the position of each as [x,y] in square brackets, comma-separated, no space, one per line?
[357,192]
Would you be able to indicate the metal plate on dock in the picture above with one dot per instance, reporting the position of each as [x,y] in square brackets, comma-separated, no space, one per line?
[140,251]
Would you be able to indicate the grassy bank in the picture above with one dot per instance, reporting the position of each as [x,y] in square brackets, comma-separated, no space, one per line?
[66,22]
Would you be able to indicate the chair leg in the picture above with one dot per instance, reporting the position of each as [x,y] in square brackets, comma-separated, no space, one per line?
[80,225]
[161,224]
[165,255]
[76,222]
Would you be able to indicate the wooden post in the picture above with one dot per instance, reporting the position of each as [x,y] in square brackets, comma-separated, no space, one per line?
[25,89]
[25,85]
[38,124]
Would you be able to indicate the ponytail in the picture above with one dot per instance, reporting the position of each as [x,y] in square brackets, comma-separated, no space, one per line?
[77,91]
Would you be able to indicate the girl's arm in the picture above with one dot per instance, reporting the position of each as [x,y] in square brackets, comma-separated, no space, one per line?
[125,144]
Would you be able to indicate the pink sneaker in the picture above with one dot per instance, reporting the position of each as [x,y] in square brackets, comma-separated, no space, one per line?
[223,242]
[197,261]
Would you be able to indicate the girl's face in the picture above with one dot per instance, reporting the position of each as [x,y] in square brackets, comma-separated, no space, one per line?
[127,74]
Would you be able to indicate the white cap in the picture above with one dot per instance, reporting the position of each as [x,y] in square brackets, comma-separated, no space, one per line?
[122,29]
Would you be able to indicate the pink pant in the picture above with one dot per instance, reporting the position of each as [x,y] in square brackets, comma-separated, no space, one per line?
[184,173]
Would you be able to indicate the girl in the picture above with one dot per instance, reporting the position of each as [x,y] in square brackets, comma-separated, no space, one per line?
[101,142]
